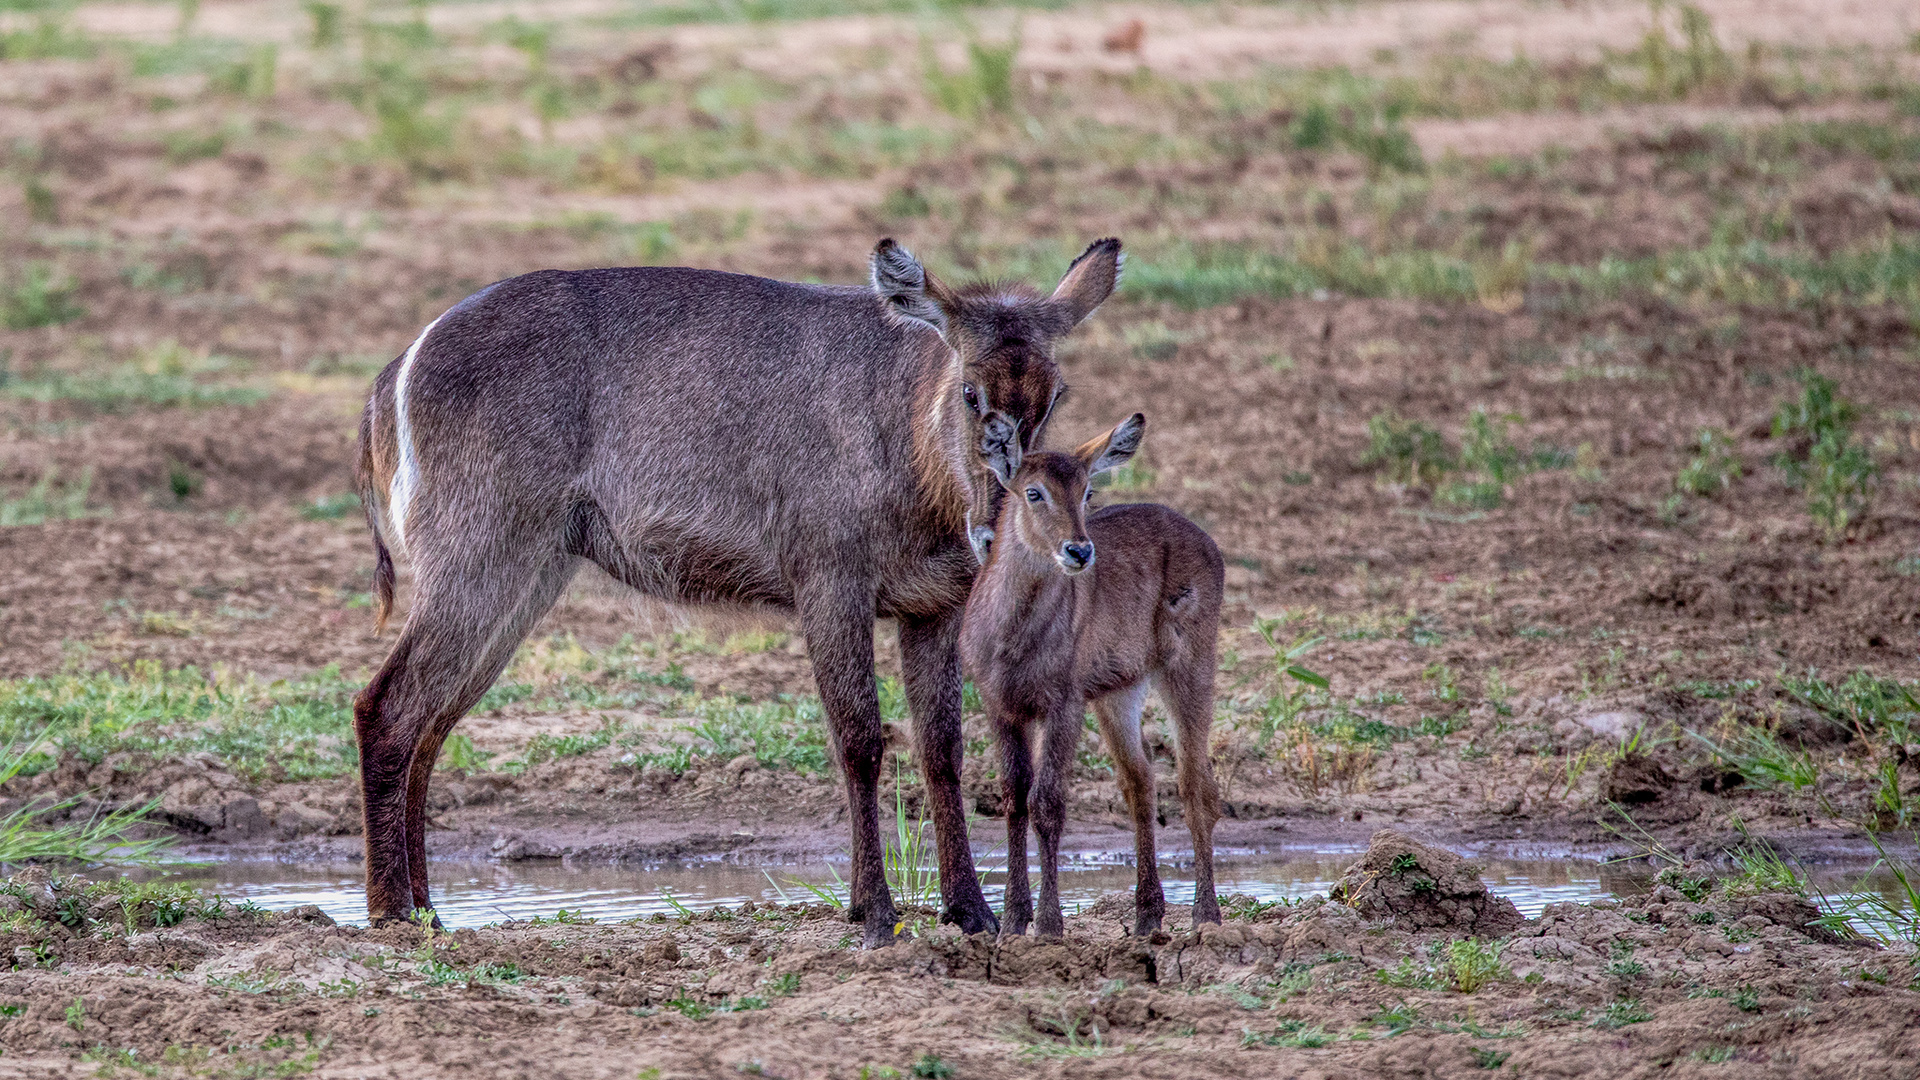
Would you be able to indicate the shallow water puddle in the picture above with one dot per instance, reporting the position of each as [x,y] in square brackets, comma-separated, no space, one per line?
[475,894]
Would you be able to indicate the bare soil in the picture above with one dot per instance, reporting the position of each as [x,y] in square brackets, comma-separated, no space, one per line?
[1657,985]
[1543,636]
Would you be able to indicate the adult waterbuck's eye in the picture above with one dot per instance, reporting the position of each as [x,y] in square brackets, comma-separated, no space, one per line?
[1033,494]
[971,395]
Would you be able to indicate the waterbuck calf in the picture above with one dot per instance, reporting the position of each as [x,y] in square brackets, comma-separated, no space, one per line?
[702,437]
[1050,628]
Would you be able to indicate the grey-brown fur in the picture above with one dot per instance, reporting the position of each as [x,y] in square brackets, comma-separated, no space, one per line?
[701,436]
[1072,609]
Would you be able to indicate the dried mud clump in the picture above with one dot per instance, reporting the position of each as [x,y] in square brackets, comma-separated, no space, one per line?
[1421,887]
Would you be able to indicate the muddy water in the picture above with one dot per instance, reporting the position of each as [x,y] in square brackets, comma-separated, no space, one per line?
[475,894]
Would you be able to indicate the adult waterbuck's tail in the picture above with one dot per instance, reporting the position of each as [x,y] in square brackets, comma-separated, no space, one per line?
[702,437]
[366,484]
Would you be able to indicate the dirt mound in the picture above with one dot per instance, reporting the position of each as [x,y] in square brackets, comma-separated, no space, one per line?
[1421,887]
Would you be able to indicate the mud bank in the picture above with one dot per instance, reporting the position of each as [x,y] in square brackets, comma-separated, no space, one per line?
[1384,981]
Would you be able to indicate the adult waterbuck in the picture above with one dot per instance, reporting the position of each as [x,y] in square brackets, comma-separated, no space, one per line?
[1074,608]
[702,437]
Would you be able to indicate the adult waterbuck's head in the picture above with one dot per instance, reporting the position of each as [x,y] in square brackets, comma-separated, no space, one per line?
[1001,338]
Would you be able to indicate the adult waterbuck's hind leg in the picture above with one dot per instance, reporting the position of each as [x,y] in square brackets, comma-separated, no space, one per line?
[930,661]
[552,578]
[1119,715]
[1187,690]
[837,618]
[466,620]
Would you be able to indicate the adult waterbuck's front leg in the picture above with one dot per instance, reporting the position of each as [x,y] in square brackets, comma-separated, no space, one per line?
[930,661]
[837,618]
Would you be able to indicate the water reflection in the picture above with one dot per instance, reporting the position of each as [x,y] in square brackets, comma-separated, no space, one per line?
[475,894]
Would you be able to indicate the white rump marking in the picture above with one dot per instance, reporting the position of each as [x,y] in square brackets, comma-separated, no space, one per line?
[406,475]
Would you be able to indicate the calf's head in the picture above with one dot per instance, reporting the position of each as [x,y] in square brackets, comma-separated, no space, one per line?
[1001,339]
[1046,509]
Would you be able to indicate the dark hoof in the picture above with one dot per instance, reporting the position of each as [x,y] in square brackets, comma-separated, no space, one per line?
[972,919]
[879,933]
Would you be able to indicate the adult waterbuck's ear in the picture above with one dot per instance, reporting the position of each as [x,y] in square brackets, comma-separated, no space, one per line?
[1090,280]
[909,292]
[1116,447]
[1001,456]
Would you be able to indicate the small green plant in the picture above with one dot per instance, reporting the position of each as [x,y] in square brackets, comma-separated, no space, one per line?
[1763,870]
[1398,1020]
[1411,974]
[785,984]
[1407,451]
[1294,682]
[330,507]
[458,754]
[42,205]
[49,500]
[1890,915]
[932,1067]
[983,87]
[1840,477]
[912,876]
[1489,1059]
[1623,965]
[1290,1033]
[77,1014]
[1713,468]
[691,1008]
[1472,964]
[35,296]
[1761,758]
[1834,467]
[1622,1012]
[1694,887]
[326,19]
[1446,682]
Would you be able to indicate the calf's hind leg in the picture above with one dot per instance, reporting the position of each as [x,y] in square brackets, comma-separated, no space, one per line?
[1119,715]
[1188,693]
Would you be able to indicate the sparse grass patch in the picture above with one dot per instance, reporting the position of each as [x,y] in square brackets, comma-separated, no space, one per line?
[1761,758]
[50,499]
[1835,468]
[289,730]
[1713,468]
[1622,1012]
[1408,451]
[164,375]
[1465,965]
[1290,1033]
[35,295]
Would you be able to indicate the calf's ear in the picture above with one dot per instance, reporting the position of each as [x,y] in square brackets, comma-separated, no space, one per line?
[1116,447]
[910,293]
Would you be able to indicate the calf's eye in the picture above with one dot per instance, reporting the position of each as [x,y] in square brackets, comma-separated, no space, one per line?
[1033,495]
